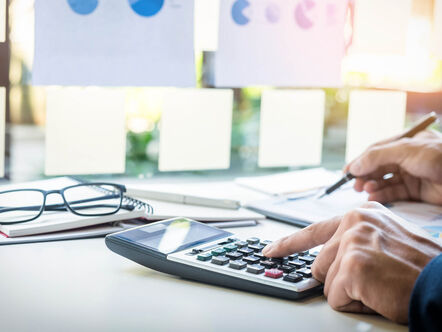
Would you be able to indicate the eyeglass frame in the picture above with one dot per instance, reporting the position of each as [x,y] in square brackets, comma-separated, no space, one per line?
[65,204]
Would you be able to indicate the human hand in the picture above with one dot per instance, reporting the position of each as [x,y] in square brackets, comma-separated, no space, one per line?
[370,260]
[416,166]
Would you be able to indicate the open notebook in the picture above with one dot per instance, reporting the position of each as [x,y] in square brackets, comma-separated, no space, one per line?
[56,221]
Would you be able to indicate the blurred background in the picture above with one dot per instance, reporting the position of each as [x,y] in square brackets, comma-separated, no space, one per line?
[417,72]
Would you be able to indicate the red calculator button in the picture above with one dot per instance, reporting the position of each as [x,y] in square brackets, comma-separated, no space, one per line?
[274,273]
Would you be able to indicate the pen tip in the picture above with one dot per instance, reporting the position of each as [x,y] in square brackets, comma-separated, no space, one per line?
[321,196]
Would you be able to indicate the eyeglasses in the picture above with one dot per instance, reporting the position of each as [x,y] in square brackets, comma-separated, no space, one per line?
[89,199]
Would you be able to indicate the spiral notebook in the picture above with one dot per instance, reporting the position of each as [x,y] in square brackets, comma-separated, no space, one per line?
[56,221]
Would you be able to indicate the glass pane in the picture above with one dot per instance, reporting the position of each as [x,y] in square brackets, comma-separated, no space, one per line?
[22,205]
[92,200]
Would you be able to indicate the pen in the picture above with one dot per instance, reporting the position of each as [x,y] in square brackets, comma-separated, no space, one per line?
[420,126]
[184,199]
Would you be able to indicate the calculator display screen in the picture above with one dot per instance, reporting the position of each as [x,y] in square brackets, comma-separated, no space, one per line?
[174,235]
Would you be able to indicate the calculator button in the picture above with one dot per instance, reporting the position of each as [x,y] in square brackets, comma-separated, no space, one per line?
[293,277]
[220,260]
[305,272]
[234,255]
[265,242]
[241,244]
[204,257]
[274,273]
[253,240]
[308,259]
[279,260]
[256,247]
[251,260]
[268,264]
[232,239]
[245,251]
[255,269]
[287,268]
[260,255]
[230,247]
[293,257]
[237,265]
[297,263]
[218,252]
[303,253]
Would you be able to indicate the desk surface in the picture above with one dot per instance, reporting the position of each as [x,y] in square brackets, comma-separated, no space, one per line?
[81,285]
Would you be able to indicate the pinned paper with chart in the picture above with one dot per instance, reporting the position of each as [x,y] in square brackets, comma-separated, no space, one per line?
[380,26]
[280,43]
[114,43]
[85,131]
[2,21]
[291,130]
[373,116]
[196,127]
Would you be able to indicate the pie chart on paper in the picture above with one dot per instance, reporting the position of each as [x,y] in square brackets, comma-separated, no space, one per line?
[146,8]
[238,9]
[301,18]
[83,7]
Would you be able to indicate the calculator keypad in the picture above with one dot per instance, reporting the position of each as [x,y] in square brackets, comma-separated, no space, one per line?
[247,257]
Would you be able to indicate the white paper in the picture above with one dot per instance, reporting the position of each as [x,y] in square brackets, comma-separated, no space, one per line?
[280,43]
[85,131]
[291,128]
[196,129]
[437,29]
[290,182]
[2,21]
[381,27]
[206,25]
[373,116]
[110,44]
[2,130]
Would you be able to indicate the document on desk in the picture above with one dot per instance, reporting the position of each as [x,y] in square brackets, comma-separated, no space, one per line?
[310,209]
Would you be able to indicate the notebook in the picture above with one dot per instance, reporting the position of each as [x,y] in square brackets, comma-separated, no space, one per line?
[57,221]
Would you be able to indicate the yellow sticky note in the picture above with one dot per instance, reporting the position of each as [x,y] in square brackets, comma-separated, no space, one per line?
[195,132]
[373,116]
[85,131]
[381,27]
[291,128]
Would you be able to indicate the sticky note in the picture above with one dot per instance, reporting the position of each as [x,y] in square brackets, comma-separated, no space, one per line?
[291,128]
[373,116]
[85,131]
[381,27]
[114,43]
[195,131]
[206,25]
[2,130]
[3,21]
[280,43]
[437,29]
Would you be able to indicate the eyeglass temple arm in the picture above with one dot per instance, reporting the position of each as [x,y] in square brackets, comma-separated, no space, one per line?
[62,206]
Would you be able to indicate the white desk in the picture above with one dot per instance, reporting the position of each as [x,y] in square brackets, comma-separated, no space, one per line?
[82,286]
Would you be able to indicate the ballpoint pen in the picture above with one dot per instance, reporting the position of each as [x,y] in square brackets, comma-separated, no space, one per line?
[420,126]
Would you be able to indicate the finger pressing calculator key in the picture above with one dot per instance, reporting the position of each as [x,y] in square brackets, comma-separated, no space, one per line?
[193,250]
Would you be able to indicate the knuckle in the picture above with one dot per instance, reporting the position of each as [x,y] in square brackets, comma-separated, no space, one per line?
[354,216]
[354,264]
[371,205]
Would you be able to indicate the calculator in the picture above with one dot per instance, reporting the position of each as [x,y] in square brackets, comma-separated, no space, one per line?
[196,251]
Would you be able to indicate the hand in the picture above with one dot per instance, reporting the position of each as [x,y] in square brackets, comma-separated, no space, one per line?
[370,260]
[416,165]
